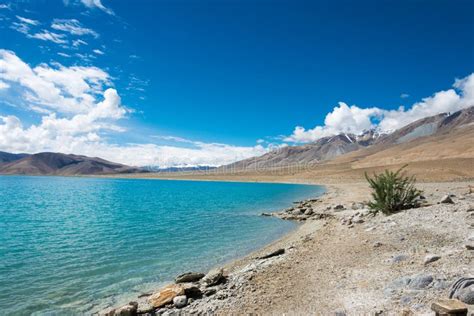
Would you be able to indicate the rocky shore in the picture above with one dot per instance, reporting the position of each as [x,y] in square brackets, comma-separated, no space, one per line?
[343,260]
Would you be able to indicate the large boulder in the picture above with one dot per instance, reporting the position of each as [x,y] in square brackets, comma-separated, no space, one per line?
[189,277]
[463,290]
[166,295]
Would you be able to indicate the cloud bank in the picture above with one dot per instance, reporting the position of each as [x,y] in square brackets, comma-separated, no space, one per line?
[78,109]
[355,119]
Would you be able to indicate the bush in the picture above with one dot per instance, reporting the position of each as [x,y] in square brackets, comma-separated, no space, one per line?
[393,192]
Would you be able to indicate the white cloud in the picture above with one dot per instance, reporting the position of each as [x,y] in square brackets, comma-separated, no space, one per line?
[64,89]
[79,110]
[4,6]
[97,4]
[98,52]
[78,42]
[354,119]
[64,55]
[20,27]
[27,21]
[404,95]
[46,35]
[72,26]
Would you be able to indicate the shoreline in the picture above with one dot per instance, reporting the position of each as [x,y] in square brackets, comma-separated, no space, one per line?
[307,277]
[288,239]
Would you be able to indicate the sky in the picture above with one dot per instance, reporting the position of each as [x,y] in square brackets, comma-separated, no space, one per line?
[188,82]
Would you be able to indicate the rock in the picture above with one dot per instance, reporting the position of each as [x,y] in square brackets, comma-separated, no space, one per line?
[431,258]
[357,206]
[466,295]
[357,220]
[145,308]
[166,295]
[370,229]
[192,291]
[189,277]
[340,312]
[446,200]
[420,281]
[377,244]
[265,214]
[399,258]
[339,207]
[462,289]
[275,253]
[180,301]
[309,211]
[297,212]
[469,246]
[209,291]
[213,277]
[127,310]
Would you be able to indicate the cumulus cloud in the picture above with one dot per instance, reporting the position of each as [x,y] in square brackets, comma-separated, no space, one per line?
[77,109]
[355,119]
[98,52]
[64,89]
[97,4]
[72,26]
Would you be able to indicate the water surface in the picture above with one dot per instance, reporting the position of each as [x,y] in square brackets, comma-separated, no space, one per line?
[72,245]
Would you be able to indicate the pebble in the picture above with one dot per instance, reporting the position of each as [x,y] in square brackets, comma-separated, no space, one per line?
[431,258]
[180,301]
[446,200]
[420,281]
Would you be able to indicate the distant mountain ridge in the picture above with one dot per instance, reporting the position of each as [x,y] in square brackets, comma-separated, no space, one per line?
[329,148]
[8,157]
[323,149]
[48,163]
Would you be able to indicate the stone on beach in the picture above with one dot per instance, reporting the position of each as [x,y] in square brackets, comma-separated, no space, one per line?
[127,310]
[189,277]
[421,281]
[447,200]
[275,253]
[214,277]
[431,258]
[463,290]
[180,301]
[166,295]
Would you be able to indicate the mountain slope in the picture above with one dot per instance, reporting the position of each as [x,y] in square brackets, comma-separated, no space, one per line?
[436,137]
[8,157]
[322,150]
[62,164]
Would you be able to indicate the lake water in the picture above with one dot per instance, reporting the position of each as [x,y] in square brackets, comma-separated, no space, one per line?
[77,245]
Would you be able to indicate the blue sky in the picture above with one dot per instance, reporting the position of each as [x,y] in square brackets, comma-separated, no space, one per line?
[209,82]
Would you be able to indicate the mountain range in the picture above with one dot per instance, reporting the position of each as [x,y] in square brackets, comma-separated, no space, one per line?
[443,136]
[368,143]
[59,164]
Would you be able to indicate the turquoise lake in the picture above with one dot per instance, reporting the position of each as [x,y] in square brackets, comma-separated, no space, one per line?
[77,245]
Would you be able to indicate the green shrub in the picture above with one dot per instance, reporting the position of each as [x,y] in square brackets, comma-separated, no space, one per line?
[393,192]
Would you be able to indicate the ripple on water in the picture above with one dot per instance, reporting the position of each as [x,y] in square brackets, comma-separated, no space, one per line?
[70,245]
